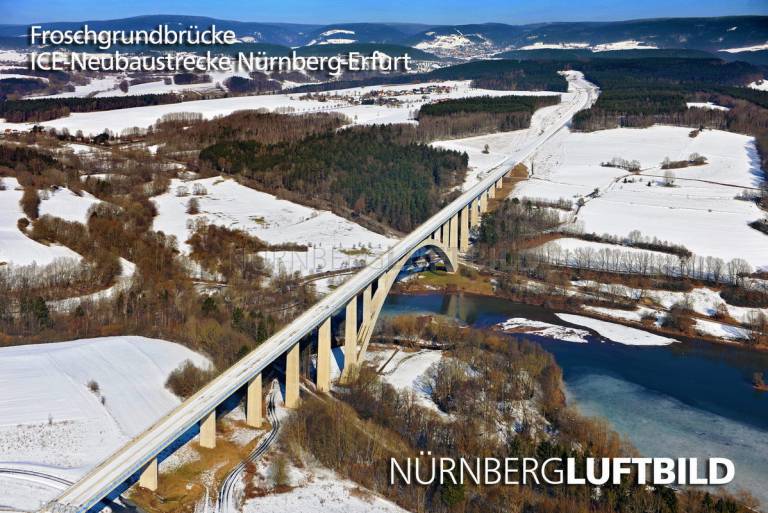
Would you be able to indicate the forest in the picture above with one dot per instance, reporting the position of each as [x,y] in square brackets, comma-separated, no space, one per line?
[377,171]
[180,132]
[480,115]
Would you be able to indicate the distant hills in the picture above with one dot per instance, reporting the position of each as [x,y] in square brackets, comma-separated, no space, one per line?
[731,37]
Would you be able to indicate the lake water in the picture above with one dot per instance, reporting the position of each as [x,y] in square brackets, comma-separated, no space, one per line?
[690,399]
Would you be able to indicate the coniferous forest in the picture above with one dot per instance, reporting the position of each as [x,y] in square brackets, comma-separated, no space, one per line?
[379,171]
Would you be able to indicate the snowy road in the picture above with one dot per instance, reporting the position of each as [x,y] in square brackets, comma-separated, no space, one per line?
[130,459]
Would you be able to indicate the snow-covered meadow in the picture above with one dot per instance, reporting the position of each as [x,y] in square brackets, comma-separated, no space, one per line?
[700,211]
[62,202]
[65,406]
[701,300]
[15,247]
[617,332]
[334,242]
[544,329]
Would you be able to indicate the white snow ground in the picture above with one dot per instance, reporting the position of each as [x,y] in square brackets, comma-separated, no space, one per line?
[272,220]
[15,247]
[701,203]
[544,329]
[618,332]
[701,300]
[406,371]
[51,422]
[321,489]
[706,105]
[64,203]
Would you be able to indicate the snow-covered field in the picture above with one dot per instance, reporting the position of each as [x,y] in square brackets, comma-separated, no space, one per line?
[52,422]
[701,203]
[118,120]
[720,330]
[15,247]
[705,105]
[617,332]
[109,86]
[64,203]
[754,48]
[275,221]
[629,44]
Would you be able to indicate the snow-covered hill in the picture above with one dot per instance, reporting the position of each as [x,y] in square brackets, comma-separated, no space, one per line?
[65,406]
[275,221]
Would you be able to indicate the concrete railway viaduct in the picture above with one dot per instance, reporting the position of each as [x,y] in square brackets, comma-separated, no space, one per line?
[356,304]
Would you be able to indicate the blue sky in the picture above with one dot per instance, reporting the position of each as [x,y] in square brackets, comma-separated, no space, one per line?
[420,11]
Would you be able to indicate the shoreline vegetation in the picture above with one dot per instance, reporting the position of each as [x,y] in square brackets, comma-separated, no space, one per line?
[479,283]
[442,408]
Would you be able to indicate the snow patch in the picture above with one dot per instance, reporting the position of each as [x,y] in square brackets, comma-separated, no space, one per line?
[617,332]
[706,105]
[544,329]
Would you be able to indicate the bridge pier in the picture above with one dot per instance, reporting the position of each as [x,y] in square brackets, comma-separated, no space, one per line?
[292,377]
[474,213]
[148,477]
[208,431]
[324,356]
[464,228]
[350,338]
[453,241]
[253,402]
[491,192]
[484,202]
[367,295]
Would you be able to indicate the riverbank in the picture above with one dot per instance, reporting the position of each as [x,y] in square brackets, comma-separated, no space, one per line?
[470,280]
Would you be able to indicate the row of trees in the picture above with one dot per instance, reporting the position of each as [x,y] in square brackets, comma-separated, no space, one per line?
[647,263]
[44,109]
[481,115]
